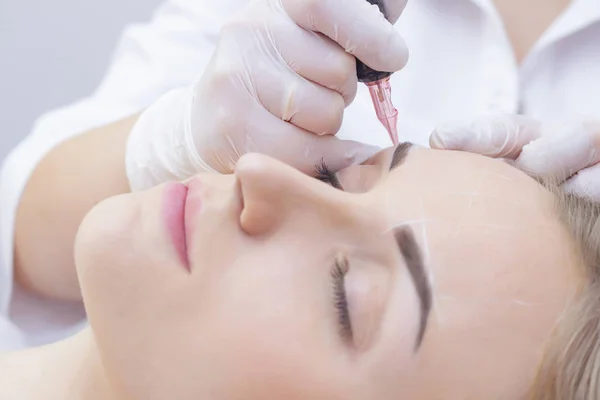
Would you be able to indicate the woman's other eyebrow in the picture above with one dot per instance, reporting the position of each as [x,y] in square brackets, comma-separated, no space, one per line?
[410,250]
[400,154]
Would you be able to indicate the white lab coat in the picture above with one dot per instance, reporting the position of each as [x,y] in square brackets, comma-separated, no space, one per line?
[461,66]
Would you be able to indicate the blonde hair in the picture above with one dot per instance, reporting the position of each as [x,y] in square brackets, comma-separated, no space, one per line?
[570,368]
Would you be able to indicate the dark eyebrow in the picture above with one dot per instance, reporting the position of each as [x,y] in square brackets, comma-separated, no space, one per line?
[400,154]
[410,250]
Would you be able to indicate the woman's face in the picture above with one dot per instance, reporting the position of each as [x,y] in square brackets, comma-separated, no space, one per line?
[438,279]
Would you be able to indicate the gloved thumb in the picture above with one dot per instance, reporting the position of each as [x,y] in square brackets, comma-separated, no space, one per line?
[498,136]
[568,150]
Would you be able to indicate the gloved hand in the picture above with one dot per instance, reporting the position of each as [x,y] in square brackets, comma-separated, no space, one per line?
[567,152]
[277,84]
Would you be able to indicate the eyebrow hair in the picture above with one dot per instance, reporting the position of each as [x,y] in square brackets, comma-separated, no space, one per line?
[400,154]
[410,250]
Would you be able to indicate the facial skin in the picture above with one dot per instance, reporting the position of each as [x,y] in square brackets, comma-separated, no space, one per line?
[254,314]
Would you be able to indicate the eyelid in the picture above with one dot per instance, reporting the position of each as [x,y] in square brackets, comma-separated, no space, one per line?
[368,290]
[362,178]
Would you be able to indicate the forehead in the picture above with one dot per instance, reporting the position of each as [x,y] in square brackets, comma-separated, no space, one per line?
[459,190]
[498,259]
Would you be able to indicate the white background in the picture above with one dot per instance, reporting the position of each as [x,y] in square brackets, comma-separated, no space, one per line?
[53,52]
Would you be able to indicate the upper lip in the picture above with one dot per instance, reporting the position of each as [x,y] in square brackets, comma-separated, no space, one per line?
[185,231]
[189,213]
[185,221]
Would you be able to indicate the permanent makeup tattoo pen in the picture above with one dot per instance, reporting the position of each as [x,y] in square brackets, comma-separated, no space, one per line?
[381,90]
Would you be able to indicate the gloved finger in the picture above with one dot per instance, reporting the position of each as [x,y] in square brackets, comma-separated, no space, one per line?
[559,156]
[301,149]
[303,103]
[357,26]
[318,59]
[498,136]
[586,183]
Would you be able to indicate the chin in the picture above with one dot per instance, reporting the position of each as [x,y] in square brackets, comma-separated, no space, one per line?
[106,231]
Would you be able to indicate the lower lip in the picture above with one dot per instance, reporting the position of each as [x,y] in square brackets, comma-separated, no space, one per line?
[174,199]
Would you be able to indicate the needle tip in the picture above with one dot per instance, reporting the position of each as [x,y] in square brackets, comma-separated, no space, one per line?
[391,125]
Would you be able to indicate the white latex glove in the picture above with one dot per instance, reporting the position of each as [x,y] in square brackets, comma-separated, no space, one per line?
[567,152]
[277,84]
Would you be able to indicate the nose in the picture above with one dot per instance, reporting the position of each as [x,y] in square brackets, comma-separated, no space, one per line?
[272,192]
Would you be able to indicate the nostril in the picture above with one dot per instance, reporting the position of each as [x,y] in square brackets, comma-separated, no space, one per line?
[259,218]
[239,194]
[258,194]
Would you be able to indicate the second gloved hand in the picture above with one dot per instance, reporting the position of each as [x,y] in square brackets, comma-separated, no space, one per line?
[277,84]
[568,152]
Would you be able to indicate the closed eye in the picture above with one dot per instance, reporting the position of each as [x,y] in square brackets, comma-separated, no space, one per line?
[324,174]
[340,301]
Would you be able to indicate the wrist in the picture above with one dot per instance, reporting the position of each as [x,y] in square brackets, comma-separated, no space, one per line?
[161,146]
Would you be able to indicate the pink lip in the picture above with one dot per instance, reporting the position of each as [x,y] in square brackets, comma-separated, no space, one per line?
[174,210]
[193,206]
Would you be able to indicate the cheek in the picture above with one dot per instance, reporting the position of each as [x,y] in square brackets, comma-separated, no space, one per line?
[134,295]
[122,253]
[115,267]
[270,331]
[272,294]
[391,365]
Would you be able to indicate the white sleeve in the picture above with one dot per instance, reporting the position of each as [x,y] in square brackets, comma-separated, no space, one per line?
[151,58]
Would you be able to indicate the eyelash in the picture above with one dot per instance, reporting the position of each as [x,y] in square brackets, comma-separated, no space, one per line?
[340,301]
[324,174]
